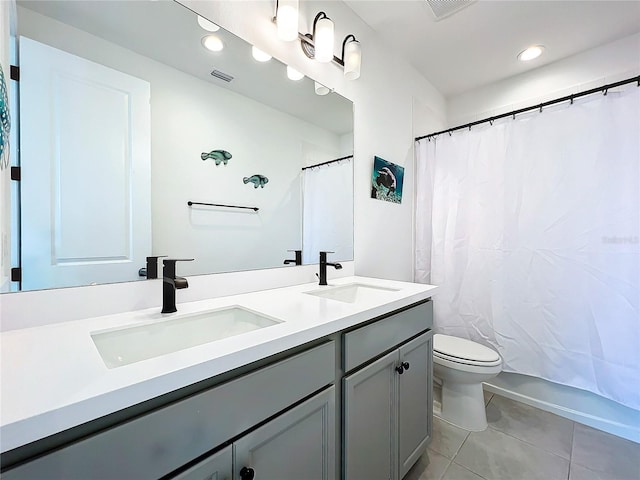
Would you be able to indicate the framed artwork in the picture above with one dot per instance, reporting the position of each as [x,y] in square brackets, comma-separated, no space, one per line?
[386,181]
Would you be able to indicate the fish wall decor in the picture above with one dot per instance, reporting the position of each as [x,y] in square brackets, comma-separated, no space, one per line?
[217,156]
[257,180]
[5,123]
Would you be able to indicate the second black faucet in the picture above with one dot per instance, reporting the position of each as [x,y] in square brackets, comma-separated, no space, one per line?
[323,267]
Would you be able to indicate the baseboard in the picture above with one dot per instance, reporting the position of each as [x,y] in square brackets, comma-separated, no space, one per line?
[568,402]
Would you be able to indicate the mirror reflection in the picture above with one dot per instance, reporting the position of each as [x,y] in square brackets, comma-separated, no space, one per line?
[130,110]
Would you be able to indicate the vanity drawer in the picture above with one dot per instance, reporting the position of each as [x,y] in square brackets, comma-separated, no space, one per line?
[369,341]
[155,444]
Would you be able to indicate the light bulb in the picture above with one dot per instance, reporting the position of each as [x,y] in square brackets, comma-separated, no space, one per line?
[530,53]
[287,20]
[352,60]
[259,55]
[213,43]
[323,40]
[293,74]
[207,25]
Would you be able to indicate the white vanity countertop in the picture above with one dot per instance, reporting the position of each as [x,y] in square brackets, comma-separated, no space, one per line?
[53,378]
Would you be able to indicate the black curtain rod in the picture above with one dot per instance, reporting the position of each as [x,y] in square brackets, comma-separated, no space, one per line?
[327,163]
[568,98]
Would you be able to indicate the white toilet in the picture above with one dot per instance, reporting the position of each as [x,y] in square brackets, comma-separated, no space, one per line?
[462,365]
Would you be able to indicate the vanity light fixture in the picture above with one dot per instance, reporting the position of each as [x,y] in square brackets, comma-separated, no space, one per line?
[351,57]
[212,42]
[351,50]
[530,53]
[322,36]
[287,19]
[207,25]
[293,74]
[321,89]
[259,55]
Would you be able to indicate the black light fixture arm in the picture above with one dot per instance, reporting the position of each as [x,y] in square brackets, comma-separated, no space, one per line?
[344,43]
[315,21]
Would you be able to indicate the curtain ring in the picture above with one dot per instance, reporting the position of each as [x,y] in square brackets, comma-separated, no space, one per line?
[491,122]
[449,132]
[604,92]
[469,127]
[540,108]
[514,116]
[571,100]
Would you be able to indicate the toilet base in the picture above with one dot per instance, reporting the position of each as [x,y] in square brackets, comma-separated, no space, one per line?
[463,405]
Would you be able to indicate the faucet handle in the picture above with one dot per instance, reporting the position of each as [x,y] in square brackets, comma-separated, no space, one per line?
[170,265]
[152,267]
[298,258]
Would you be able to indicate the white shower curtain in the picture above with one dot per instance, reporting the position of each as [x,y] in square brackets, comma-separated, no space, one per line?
[531,229]
[327,223]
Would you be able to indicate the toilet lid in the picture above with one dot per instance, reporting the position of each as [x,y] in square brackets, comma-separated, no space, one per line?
[462,349]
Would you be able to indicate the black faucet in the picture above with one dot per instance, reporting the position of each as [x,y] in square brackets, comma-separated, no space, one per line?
[151,270]
[298,259]
[323,267]
[171,283]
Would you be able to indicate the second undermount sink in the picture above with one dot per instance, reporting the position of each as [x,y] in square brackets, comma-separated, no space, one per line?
[140,342]
[353,292]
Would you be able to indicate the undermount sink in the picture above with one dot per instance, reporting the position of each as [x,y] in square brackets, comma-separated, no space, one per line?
[352,293]
[141,342]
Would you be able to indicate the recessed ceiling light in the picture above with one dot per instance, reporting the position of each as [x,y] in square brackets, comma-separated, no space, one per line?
[259,55]
[213,43]
[207,25]
[293,74]
[321,89]
[530,53]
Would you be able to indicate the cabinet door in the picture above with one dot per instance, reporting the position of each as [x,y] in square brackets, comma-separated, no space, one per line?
[370,421]
[299,444]
[216,467]
[415,406]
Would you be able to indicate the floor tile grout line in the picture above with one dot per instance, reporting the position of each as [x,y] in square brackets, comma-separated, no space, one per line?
[444,472]
[531,444]
[573,439]
[469,470]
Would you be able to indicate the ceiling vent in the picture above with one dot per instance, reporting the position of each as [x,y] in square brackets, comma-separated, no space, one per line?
[444,8]
[221,75]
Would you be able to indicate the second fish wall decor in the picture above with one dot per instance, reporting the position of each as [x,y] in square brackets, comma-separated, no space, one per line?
[218,156]
[257,180]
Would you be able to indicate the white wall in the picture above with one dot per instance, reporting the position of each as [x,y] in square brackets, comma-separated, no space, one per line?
[261,139]
[590,69]
[383,100]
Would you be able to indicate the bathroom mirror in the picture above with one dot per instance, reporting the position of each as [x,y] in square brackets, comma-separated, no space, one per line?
[126,117]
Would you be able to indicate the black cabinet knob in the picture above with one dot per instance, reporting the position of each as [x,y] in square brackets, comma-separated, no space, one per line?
[400,369]
[247,473]
[405,365]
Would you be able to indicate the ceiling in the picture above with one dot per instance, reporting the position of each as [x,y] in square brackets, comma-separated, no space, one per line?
[478,44]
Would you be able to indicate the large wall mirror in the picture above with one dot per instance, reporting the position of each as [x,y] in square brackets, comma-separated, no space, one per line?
[126,116]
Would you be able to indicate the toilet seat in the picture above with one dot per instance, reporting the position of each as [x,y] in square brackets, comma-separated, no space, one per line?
[465,352]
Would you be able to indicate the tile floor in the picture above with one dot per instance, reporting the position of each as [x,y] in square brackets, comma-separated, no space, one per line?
[525,443]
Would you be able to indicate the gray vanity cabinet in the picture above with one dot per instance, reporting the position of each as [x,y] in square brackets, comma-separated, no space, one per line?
[370,408]
[415,402]
[387,395]
[296,445]
[216,467]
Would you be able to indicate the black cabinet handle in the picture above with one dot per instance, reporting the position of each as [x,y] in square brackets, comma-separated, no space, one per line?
[400,369]
[405,365]
[247,473]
